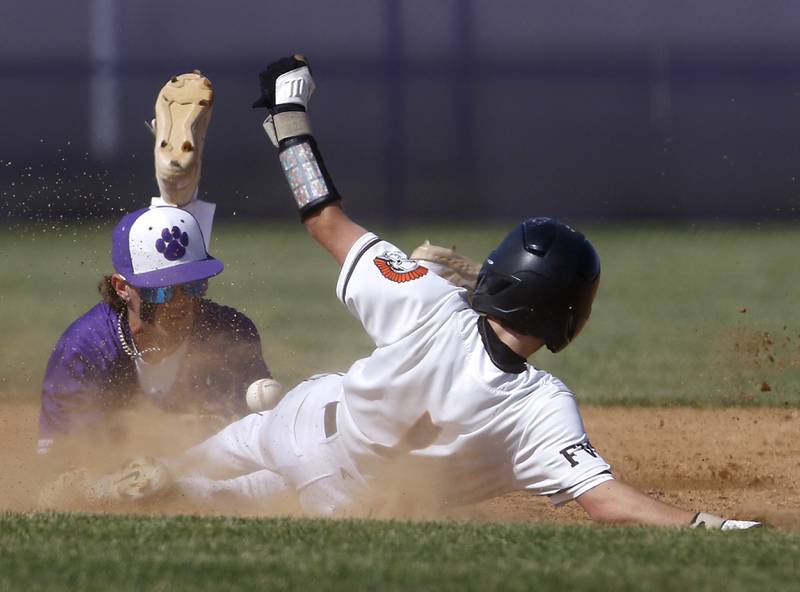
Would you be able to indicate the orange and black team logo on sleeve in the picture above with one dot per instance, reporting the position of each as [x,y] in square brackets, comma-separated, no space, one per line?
[395,266]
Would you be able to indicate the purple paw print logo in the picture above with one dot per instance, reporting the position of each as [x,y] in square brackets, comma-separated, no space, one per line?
[172,243]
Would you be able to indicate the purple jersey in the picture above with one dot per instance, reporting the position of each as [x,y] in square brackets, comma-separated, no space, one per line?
[90,375]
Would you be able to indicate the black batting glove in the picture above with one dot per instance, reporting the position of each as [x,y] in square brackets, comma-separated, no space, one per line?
[286,85]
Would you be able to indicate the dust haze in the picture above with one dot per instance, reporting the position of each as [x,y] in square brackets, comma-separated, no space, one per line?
[736,462]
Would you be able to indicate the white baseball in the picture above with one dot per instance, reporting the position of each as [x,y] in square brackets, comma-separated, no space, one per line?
[264,394]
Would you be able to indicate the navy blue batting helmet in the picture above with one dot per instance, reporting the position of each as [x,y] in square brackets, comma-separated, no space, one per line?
[541,280]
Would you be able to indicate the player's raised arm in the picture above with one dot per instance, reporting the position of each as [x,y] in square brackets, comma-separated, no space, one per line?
[286,87]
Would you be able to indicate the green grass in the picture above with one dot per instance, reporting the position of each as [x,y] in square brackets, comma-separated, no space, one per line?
[666,326]
[666,329]
[95,552]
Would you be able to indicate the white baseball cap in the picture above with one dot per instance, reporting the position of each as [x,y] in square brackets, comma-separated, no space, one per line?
[161,246]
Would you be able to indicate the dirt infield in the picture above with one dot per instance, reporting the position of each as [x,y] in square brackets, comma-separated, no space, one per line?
[741,462]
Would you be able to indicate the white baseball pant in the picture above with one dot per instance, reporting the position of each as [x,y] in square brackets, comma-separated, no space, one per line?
[290,449]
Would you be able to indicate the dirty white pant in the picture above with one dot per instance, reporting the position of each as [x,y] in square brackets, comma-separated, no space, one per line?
[264,456]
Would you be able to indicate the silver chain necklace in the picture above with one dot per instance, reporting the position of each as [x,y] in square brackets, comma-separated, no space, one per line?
[130,349]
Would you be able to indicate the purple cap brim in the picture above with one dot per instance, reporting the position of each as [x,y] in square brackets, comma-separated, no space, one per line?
[173,276]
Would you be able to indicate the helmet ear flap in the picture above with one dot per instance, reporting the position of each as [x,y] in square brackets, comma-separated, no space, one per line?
[494,284]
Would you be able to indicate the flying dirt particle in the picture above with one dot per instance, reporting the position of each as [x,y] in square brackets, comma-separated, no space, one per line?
[765,387]
[771,358]
[743,309]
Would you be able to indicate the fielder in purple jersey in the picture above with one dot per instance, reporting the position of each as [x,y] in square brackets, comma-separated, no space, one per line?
[153,338]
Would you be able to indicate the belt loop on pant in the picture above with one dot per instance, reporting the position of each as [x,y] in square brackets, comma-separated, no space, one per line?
[330,419]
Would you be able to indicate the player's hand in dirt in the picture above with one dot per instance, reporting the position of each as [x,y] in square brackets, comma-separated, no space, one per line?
[713,522]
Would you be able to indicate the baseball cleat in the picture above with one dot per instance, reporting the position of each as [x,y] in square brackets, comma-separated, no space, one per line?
[183,111]
[446,263]
[142,478]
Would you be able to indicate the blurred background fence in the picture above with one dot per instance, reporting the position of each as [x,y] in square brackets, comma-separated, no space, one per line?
[426,109]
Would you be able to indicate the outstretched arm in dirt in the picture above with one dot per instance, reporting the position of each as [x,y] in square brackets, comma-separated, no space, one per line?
[616,502]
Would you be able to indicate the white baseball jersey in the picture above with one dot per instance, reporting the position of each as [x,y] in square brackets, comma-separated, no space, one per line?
[429,417]
[429,409]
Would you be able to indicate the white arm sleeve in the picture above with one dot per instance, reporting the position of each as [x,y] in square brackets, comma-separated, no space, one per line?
[555,457]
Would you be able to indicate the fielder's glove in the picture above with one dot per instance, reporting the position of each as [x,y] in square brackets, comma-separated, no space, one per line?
[457,269]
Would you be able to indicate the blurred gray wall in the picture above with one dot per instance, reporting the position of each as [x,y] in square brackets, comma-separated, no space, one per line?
[426,109]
